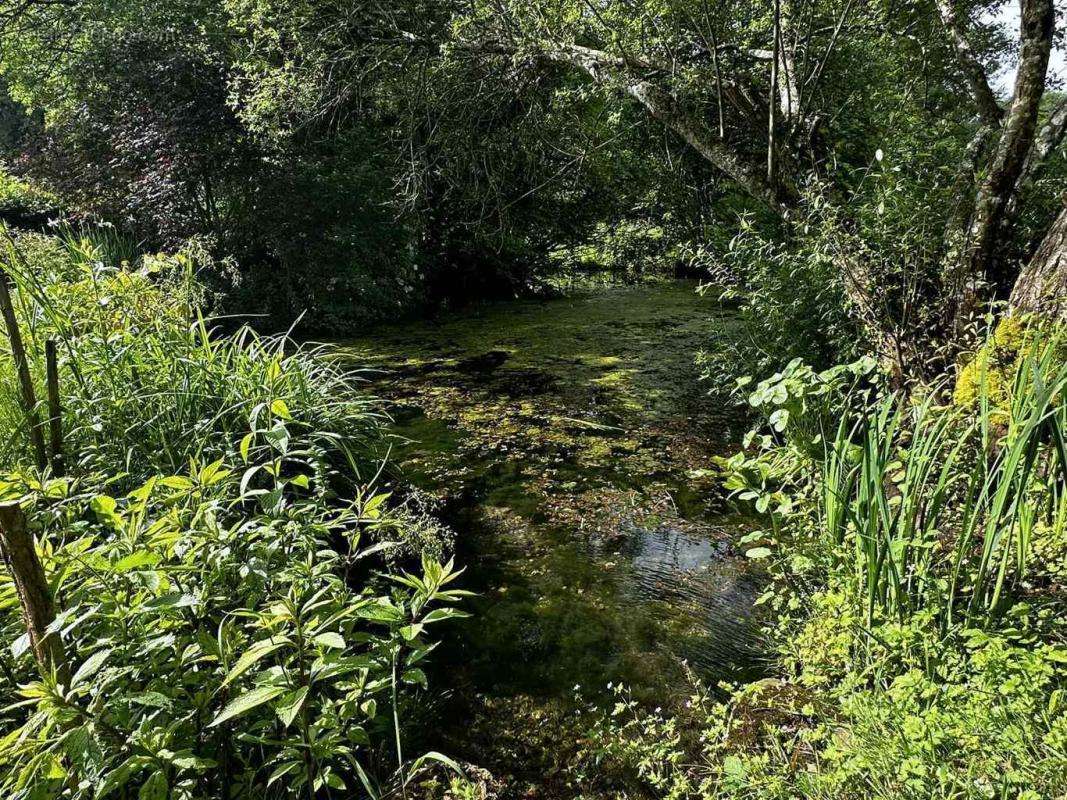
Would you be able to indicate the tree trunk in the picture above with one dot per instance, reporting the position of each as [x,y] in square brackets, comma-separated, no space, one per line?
[996,191]
[1042,285]
[20,556]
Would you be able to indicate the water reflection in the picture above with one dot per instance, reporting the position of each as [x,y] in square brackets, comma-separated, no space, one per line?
[702,592]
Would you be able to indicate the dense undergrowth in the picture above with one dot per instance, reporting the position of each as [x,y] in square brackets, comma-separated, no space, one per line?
[918,545]
[217,546]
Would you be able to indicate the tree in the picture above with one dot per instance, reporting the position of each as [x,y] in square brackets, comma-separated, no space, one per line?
[1042,284]
[503,128]
[788,74]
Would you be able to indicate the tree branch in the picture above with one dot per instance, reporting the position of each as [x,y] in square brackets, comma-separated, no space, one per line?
[631,75]
[989,109]
[1000,184]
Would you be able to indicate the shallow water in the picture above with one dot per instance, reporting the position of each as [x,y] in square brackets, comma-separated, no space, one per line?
[566,442]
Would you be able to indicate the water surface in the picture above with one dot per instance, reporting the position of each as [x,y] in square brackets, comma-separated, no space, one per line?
[568,443]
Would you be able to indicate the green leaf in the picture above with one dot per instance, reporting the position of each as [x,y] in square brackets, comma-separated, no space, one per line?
[278,436]
[440,758]
[106,512]
[371,508]
[171,600]
[409,632]
[439,614]
[1058,654]
[121,775]
[213,473]
[334,781]
[152,700]
[291,705]
[177,482]
[247,702]
[186,759]
[155,788]
[758,552]
[381,611]
[252,655]
[20,645]
[141,558]
[246,445]
[90,667]
[279,409]
[283,770]
[330,639]
[416,676]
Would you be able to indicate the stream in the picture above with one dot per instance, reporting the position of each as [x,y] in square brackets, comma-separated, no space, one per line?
[569,445]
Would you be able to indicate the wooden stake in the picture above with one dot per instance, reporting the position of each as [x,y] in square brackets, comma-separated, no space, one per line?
[20,556]
[55,410]
[22,365]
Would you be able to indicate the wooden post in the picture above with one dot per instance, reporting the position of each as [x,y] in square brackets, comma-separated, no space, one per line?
[20,555]
[22,365]
[55,409]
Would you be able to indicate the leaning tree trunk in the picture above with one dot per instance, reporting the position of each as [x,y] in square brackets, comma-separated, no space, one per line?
[1042,285]
[997,189]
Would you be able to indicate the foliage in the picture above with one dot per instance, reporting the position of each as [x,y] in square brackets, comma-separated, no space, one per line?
[24,202]
[212,553]
[790,305]
[916,550]
[360,160]
[988,373]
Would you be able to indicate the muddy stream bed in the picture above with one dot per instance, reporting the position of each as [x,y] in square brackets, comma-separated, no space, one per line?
[567,442]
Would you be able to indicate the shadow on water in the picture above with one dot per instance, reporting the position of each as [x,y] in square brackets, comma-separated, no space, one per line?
[565,441]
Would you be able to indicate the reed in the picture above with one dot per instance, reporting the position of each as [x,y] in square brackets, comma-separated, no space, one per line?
[934,507]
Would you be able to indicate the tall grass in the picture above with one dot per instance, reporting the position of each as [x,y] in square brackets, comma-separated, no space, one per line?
[915,486]
[149,385]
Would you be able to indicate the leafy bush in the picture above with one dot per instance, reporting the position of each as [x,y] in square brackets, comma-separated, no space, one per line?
[628,249]
[213,555]
[24,202]
[789,304]
[829,284]
[213,644]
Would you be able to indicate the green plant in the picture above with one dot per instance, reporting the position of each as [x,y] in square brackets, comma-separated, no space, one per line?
[215,555]
[213,644]
[21,201]
[915,549]
[919,483]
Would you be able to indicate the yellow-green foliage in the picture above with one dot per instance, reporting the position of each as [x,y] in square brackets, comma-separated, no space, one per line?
[20,197]
[120,299]
[78,283]
[991,369]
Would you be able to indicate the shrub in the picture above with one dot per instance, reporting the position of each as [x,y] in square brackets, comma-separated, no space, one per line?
[788,301]
[25,203]
[213,553]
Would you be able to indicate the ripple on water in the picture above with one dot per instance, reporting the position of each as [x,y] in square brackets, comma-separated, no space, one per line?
[702,592]
[577,417]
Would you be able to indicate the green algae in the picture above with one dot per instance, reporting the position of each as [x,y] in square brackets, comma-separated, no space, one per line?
[561,438]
